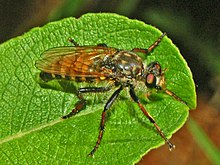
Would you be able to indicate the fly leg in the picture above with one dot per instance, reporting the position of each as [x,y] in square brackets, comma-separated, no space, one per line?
[80,105]
[102,45]
[76,44]
[174,96]
[136,99]
[151,48]
[102,124]
[73,42]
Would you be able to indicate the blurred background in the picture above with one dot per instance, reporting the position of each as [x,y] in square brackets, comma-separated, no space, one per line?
[194,26]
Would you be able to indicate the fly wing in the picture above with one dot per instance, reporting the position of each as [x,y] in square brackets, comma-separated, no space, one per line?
[76,61]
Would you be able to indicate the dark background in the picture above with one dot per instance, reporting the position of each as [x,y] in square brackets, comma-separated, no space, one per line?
[194,26]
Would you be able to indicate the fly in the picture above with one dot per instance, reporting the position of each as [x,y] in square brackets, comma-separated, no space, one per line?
[120,68]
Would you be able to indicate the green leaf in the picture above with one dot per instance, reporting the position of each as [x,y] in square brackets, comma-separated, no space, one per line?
[31,129]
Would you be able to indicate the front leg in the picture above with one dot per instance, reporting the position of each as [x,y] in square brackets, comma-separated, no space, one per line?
[80,105]
[150,48]
[136,99]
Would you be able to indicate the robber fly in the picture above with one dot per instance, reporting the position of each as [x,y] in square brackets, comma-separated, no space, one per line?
[101,63]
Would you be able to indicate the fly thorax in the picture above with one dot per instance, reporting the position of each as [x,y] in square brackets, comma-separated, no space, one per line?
[128,64]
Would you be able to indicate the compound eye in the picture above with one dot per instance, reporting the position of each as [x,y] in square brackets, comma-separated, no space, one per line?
[157,67]
[154,68]
[150,80]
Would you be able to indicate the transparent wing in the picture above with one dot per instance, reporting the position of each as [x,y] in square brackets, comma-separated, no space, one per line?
[75,61]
